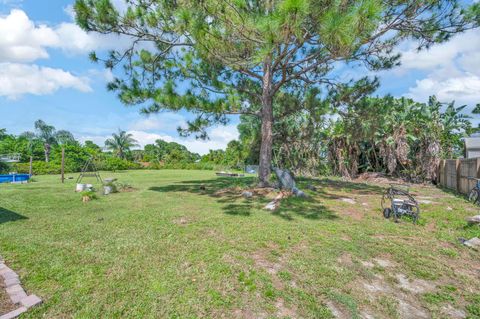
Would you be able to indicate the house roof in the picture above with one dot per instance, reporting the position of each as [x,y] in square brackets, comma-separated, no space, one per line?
[472,143]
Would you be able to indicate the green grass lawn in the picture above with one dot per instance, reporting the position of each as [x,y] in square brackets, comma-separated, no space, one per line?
[171,249]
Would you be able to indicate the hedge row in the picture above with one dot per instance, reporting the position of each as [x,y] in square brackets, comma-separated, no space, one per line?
[109,164]
[43,168]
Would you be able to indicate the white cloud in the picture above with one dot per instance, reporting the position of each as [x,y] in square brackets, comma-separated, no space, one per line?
[70,11]
[166,121]
[18,79]
[219,138]
[120,5]
[12,3]
[21,40]
[452,70]
[97,139]
[224,134]
[104,75]
[73,40]
[460,51]
[143,138]
[463,89]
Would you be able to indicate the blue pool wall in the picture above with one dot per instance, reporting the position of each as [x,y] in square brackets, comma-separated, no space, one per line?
[14,178]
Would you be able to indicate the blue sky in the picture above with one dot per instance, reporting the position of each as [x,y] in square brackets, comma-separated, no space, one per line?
[45,74]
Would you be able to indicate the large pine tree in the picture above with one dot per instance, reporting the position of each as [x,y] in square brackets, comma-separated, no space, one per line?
[220,57]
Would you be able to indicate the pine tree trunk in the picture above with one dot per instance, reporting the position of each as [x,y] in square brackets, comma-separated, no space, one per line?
[267,128]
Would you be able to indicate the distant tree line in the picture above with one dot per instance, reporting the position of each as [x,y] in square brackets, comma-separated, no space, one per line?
[121,151]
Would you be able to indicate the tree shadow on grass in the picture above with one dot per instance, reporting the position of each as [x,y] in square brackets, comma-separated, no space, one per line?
[235,203]
[9,216]
[307,208]
[228,191]
[340,186]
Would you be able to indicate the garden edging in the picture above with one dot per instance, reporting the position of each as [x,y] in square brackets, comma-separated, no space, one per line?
[15,291]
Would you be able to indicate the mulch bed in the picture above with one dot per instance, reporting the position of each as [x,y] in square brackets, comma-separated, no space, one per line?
[5,303]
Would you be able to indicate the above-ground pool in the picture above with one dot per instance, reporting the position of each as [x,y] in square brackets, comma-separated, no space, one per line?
[14,178]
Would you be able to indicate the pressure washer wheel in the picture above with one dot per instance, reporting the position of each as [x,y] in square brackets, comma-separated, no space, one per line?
[387,212]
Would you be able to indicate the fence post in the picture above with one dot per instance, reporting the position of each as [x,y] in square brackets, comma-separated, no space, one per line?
[63,165]
[438,172]
[441,173]
[478,167]
[445,173]
[459,179]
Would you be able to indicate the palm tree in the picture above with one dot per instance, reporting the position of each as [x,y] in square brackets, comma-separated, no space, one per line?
[31,139]
[48,136]
[64,137]
[120,143]
[476,110]
[46,133]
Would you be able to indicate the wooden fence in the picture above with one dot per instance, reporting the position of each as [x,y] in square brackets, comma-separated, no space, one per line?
[456,174]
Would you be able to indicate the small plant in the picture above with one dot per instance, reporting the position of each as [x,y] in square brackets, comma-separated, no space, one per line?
[125,187]
[88,195]
[112,187]
[115,187]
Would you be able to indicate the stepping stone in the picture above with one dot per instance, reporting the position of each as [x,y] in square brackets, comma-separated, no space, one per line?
[425,201]
[4,269]
[12,281]
[474,219]
[16,293]
[14,313]
[272,205]
[473,243]
[10,275]
[348,200]
[247,194]
[299,193]
[31,301]
[14,289]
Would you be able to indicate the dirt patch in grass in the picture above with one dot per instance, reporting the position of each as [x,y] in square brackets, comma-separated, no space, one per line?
[247,314]
[352,213]
[384,262]
[237,191]
[5,303]
[182,221]
[348,200]
[379,282]
[450,312]
[345,260]
[261,260]
[273,262]
[378,178]
[283,311]
[338,311]
[229,191]
[416,286]
[406,301]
